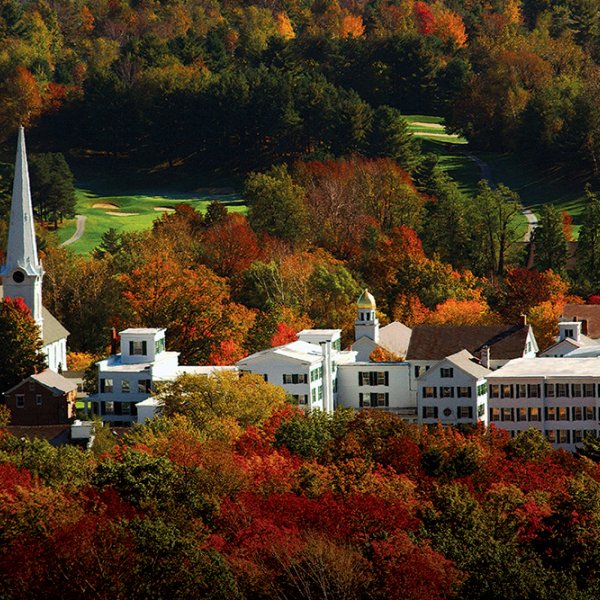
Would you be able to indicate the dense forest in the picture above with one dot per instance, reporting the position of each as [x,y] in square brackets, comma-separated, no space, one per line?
[246,84]
[245,496]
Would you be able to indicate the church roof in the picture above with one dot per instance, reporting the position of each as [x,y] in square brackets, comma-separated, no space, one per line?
[366,300]
[21,251]
[53,330]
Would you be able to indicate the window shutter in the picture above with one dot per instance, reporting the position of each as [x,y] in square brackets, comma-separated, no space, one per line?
[435,412]
[387,378]
[359,378]
[144,348]
[131,348]
[360,400]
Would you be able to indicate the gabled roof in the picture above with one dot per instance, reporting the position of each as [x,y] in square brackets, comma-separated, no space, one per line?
[583,341]
[463,361]
[52,381]
[395,337]
[435,342]
[53,330]
[298,351]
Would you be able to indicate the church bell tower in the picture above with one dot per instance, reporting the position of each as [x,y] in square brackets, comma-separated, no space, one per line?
[22,272]
[367,323]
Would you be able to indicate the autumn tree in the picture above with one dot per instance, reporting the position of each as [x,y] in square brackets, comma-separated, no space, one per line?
[204,399]
[22,344]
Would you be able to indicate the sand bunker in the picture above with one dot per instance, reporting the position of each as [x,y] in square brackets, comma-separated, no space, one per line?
[104,205]
[121,214]
[427,125]
[164,209]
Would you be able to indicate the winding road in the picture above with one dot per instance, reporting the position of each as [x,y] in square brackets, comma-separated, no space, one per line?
[78,232]
[486,173]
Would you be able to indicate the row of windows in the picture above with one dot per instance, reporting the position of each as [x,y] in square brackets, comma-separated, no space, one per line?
[143,386]
[564,436]
[373,399]
[433,412]
[316,374]
[317,393]
[296,378]
[551,390]
[447,392]
[20,400]
[561,413]
[373,378]
[118,408]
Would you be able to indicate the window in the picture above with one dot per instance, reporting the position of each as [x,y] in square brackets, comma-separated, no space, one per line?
[521,414]
[576,390]
[109,408]
[534,414]
[562,413]
[494,391]
[125,386]
[481,410]
[577,436]
[125,408]
[313,395]
[300,398]
[38,399]
[296,378]
[429,392]
[106,386]
[31,386]
[577,413]
[465,412]
[482,389]
[506,390]
[522,390]
[379,399]
[494,414]
[373,378]
[533,390]
[550,391]
[138,348]
[364,400]
[563,436]
[430,412]
[144,386]
[551,435]
[562,390]
[20,400]
[589,413]
[446,392]
[320,392]
[589,390]
[550,413]
[159,346]
[446,372]
[463,392]
[337,344]
[417,371]
[506,414]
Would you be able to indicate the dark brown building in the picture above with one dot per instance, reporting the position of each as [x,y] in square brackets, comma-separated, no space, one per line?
[45,398]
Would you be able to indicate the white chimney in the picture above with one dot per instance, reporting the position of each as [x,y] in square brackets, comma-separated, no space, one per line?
[485,356]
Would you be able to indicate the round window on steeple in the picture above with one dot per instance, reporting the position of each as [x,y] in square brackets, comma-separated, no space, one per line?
[18,276]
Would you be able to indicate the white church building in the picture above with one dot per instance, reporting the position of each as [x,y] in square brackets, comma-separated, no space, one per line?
[22,273]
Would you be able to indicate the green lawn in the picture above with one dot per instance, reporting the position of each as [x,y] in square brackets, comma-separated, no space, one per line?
[138,212]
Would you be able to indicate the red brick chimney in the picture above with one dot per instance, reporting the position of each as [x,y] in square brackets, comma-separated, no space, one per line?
[114,341]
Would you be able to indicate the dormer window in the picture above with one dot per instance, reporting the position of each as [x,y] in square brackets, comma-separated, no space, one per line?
[138,348]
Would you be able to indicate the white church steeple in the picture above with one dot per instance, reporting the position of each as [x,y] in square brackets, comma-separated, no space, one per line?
[22,272]
[367,323]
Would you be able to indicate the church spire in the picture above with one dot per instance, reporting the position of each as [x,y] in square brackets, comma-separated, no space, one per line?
[22,250]
[22,272]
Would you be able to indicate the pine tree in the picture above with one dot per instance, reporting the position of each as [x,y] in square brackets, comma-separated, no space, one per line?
[588,249]
[550,242]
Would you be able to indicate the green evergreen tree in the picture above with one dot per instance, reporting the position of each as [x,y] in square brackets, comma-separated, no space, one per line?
[549,239]
[588,249]
[276,204]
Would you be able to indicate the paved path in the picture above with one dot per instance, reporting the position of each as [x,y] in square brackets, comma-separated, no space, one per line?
[486,173]
[78,232]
